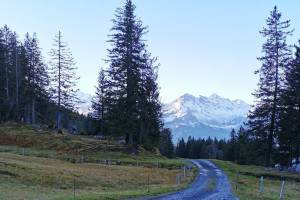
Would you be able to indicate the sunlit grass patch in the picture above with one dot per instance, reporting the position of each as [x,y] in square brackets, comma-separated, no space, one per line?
[249,177]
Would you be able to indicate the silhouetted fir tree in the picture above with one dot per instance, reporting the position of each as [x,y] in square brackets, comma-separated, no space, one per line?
[2,89]
[98,104]
[17,75]
[230,152]
[7,43]
[150,124]
[133,105]
[37,79]
[242,148]
[166,146]
[289,135]
[263,119]
[180,149]
[9,62]
[63,77]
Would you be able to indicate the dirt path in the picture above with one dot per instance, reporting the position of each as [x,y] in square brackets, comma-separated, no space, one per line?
[210,184]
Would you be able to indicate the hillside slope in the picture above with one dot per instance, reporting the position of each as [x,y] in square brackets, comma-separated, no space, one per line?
[39,164]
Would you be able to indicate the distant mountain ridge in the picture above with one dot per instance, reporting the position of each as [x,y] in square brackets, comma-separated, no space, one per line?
[85,102]
[202,116]
[188,115]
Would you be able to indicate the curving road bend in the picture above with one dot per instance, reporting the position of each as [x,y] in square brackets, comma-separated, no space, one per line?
[210,184]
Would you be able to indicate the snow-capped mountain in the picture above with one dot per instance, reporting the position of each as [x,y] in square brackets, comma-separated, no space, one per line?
[202,116]
[188,115]
[84,106]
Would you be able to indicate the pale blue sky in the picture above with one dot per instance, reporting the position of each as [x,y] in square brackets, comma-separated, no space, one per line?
[204,47]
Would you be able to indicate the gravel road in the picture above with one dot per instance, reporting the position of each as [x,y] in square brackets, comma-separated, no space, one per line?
[210,184]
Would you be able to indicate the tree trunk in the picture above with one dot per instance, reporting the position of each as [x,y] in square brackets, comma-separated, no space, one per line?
[274,109]
[59,120]
[27,111]
[33,112]
[17,87]
[59,85]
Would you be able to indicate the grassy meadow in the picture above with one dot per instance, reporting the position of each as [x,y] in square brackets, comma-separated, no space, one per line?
[38,164]
[249,178]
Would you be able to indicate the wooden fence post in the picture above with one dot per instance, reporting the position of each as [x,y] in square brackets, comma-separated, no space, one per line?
[177,180]
[281,190]
[74,188]
[148,183]
[236,180]
[261,185]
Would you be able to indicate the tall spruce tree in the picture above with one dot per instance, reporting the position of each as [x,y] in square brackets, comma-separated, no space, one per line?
[289,136]
[10,75]
[263,119]
[37,79]
[7,71]
[149,104]
[63,77]
[99,101]
[166,146]
[133,108]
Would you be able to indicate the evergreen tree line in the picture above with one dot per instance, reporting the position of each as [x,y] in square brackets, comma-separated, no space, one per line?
[240,148]
[201,148]
[33,91]
[126,103]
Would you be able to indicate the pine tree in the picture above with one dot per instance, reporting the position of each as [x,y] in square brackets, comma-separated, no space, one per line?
[99,101]
[10,75]
[133,105]
[3,58]
[6,79]
[37,79]
[63,77]
[181,148]
[263,119]
[230,153]
[149,105]
[166,146]
[289,136]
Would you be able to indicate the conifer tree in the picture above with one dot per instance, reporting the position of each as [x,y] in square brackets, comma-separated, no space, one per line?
[99,101]
[166,146]
[9,74]
[289,135]
[133,105]
[181,149]
[6,79]
[37,79]
[63,77]
[263,119]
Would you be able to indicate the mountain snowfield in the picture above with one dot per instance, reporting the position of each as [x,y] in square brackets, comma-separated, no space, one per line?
[202,116]
[85,104]
[199,117]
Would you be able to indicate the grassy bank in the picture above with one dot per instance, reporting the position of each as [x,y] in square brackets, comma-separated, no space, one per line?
[38,164]
[26,140]
[248,181]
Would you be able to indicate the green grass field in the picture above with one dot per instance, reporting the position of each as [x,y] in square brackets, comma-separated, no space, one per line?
[37,164]
[248,181]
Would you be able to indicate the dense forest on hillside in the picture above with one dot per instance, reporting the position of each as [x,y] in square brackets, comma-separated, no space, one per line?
[126,104]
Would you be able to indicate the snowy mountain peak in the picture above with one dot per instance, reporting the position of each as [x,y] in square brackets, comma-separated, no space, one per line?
[215,113]
[215,96]
[85,102]
[187,96]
